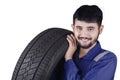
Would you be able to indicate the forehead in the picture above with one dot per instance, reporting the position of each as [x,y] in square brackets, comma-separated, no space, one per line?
[85,24]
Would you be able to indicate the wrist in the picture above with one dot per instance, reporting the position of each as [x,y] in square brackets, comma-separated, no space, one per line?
[68,58]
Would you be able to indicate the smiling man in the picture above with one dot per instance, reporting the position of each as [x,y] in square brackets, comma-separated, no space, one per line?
[85,59]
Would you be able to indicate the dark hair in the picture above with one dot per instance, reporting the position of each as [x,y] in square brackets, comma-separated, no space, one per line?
[89,13]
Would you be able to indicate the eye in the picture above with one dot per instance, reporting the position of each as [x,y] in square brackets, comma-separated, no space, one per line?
[90,28]
[78,27]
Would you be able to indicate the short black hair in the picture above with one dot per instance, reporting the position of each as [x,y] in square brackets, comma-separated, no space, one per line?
[89,13]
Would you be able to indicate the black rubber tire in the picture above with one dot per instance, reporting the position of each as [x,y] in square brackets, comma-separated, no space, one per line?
[43,56]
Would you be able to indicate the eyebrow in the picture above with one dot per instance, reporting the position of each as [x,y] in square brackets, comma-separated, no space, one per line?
[87,26]
[79,26]
[90,27]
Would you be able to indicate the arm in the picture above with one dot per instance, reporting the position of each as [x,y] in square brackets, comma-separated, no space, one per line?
[102,70]
[71,71]
[72,47]
[70,68]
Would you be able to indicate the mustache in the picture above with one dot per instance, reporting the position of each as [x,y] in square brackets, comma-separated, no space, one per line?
[84,38]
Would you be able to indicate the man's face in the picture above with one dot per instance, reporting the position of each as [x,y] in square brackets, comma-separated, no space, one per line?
[86,33]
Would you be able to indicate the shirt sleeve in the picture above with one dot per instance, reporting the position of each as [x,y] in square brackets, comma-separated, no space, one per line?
[71,71]
[103,70]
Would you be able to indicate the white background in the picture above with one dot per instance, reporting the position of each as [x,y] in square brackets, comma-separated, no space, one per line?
[22,20]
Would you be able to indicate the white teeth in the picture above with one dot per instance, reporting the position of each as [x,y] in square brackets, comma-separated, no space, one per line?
[84,39]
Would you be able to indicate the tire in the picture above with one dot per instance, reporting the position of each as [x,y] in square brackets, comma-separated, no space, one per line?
[43,57]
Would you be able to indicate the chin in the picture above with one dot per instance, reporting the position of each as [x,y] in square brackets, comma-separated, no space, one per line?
[85,46]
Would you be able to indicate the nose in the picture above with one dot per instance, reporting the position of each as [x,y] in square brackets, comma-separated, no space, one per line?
[84,33]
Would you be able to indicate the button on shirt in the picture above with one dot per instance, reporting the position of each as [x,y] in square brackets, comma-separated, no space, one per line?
[86,68]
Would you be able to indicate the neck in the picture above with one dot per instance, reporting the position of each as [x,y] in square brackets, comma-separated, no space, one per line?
[84,52]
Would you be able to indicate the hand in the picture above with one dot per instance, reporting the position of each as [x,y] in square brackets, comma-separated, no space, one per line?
[72,47]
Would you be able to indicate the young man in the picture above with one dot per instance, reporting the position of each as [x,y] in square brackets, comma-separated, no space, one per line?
[85,59]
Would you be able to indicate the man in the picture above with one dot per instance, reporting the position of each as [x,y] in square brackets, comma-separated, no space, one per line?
[85,59]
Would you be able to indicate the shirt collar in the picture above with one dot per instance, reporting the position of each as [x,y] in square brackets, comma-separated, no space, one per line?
[93,52]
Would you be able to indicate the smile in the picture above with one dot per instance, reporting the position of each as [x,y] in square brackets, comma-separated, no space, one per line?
[84,38]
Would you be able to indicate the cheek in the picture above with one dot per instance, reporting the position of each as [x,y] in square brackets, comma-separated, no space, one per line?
[95,35]
[76,35]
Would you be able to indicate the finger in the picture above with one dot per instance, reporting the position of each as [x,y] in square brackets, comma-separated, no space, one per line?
[70,38]
[73,37]
[69,41]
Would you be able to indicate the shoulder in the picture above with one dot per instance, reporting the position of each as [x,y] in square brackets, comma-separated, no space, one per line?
[107,60]
[109,56]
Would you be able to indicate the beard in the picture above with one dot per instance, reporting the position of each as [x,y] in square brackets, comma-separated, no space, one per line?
[89,44]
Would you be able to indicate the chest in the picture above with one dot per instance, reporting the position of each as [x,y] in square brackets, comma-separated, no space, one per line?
[83,65]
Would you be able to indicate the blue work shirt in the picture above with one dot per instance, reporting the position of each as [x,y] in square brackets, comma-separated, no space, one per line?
[86,68]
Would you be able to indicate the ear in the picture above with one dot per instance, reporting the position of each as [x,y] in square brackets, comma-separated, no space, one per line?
[101,29]
[73,27]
